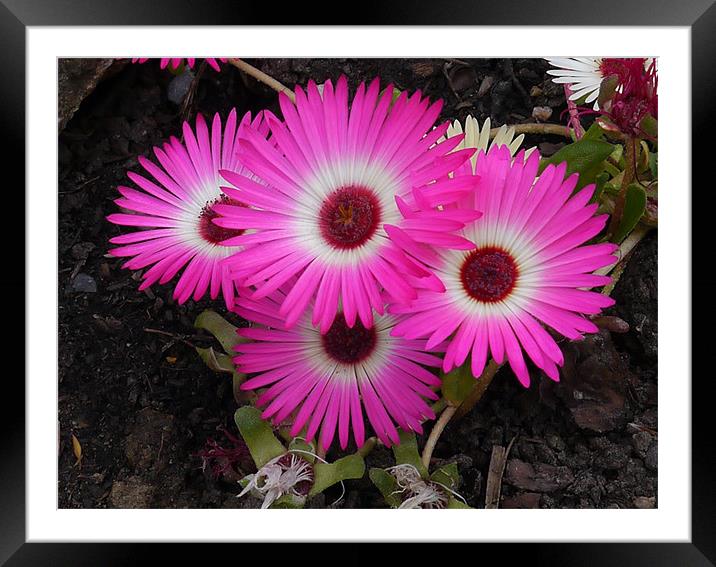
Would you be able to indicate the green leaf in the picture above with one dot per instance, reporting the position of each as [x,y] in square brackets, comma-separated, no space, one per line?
[457,384]
[387,485]
[600,182]
[224,331]
[396,94]
[237,379]
[584,157]
[634,205]
[642,157]
[607,89]
[617,154]
[454,503]
[218,362]
[654,164]
[650,125]
[448,476]
[594,133]
[291,501]
[328,474]
[407,453]
[258,435]
[612,170]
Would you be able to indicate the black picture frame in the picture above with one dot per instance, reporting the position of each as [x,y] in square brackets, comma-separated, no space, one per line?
[16,15]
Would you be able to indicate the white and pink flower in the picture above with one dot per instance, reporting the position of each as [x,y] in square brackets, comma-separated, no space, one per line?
[529,267]
[347,190]
[174,208]
[326,381]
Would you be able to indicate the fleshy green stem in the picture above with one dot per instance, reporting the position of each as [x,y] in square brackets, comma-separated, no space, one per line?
[629,171]
[478,390]
[439,406]
[534,128]
[625,249]
[367,447]
[435,433]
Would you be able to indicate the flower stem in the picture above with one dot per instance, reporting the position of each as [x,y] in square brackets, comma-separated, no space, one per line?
[435,433]
[450,411]
[630,160]
[439,406]
[367,447]
[262,77]
[534,128]
[573,113]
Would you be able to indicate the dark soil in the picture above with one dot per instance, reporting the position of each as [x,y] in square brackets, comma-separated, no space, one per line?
[141,404]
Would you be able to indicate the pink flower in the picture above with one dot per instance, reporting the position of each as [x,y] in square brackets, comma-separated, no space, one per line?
[636,97]
[529,267]
[176,62]
[350,189]
[325,381]
[175,209]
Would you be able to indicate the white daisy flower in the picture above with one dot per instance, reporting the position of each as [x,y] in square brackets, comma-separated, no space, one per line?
[583,75]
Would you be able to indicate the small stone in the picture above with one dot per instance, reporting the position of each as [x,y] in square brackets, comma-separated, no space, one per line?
[424,69]
[538,478]
[131,493]
[541,113]
[593,383]
[77,77]
[104,271]
[83,283]
[535,91]
[644,502]
[485,85]
[179,86]
[460,76]
[640,442]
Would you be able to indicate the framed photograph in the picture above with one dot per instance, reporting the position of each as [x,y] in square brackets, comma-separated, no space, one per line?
[284,282]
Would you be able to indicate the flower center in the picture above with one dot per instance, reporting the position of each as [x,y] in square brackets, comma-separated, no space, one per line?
[489,274]
[349,217]
[297,470]
[348,345]
[612,66]
[211,232]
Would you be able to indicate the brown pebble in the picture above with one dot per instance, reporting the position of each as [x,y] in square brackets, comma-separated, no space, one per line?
[541,113]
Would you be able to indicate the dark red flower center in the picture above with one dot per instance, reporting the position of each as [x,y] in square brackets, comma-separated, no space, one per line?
[212,232]
[612,66]
[489,274]
[349,217]
[348,345]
